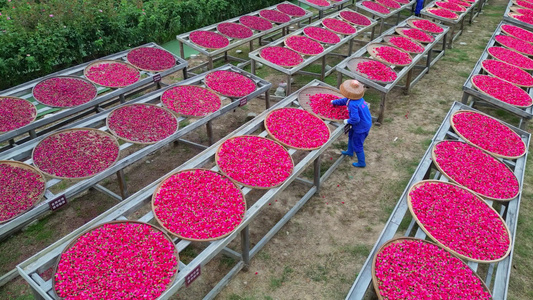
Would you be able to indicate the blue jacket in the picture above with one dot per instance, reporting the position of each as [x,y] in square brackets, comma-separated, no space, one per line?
[360,117]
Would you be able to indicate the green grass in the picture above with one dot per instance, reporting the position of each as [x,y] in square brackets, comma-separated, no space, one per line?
[356,250]
[227,261]
[317,273]
[184,123]
[278,282]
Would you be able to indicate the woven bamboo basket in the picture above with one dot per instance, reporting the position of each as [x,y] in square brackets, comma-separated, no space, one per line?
[411,23]
[191,239]
[314,39]
[434,158]
[494,57]
[148,70]
[387,39]
[231,37]
[523,53]
[299,52]
[33,111]
[217,159]
[99,132]
[110,62]
[185,115]
[72,77]
[137,104]
[353,63]
[438,8]
[285,144]
[73,242]
[348,21]
[283,65]
[229,96]
[305,95]
[502,28]
[39,194]
[370,48]
[452,10]
[400,31]
[421,225]
[516,3]
[469,142]
[483,92]
[375,281]
[274,21]
[520,85]
[190,40]
[338,32]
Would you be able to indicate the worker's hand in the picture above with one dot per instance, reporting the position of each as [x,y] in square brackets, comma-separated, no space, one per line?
[345,121]
[332,102]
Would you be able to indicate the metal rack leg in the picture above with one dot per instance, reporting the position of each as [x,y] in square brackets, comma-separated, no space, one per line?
[122,184]
[339,79]
[252,67]
[267,100]
[289,84]
[464,100]
[316,173]
[245,247]
[408,81]
[323,71]
[210,63]
[209,127]
[122,98]
[36,295]
[381,109]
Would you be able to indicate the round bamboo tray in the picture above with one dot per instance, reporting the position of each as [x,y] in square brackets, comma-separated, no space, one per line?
[40,195]
[375,281]
[438,8]
[516,3]
[387,39]
[354,62]
[137,104]
[111,62]
[469,142]
[502,28]
[224,95]
[305,94]
[100,132]
[176,254]
[483,92]
[494,57]
[410,22]
[191,239]
[285,144]
[520,85]
[283,65]
[148,70]
[523,53]
[348,21]
[434,158]
[299,52]
[86,80]
[514,15]
[338,32]
[421,225]
[315,39]
[463,9]
[516,8]
[33,113]
[209,47]
[400,31]
[370,48]
[185,115]
[217,158]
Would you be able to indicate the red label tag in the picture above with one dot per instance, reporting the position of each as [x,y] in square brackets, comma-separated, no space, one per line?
[156,78]
[243,101]
[58,202]
[193,275]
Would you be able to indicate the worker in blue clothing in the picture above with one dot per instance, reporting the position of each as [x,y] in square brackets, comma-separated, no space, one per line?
[419,6]
[360,119]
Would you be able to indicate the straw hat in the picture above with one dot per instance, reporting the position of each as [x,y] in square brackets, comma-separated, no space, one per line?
[352,89]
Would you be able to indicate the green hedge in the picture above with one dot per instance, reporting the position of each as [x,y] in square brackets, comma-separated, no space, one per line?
[40,37]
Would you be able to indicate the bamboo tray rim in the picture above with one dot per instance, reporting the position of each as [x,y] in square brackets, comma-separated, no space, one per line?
[217,158]
[299,52]
[437,241]
[187,85]
[483,92]
[400,31]
[86,80]
[109,61]
[496,58]
[513,83]
[148,70]
[370,49]
[176,253]
[33,112]
[307,107]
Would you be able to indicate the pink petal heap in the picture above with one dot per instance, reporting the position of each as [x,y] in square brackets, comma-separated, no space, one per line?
[525,11]
[476,170]
[65,91]
[393,55]
[255,23]
[190,100]
[488,134]
[524,18]
[20,189]
[76,154]
[304,45]
[322,35]
[321,105]
[151,59]
[514,43]
[502,90]
[406,44]
[376,7]
[459,220]
[112,74]
[199,204]
[234,30]
[254,161]
[208,39]
[444,13]
[511,57]
[418,35]
[281,56]
[15,113]
[230,84]
[291,9]
[128,260]
[427,26]
[319,2]
[376,70]
[402,1]
[389,4]
[450,6]
[525,4]
[142,123]
[519,33]
[416,269]
[338,26]
[274,16]
[508,72]
[297,128]
[355,18]
[461,3]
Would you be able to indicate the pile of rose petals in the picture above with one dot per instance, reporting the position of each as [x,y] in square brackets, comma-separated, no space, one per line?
[428,26]
[291,9]
[517,32]
[476,170]
[321,105]
[230,84]
[255,23]
[69,91]
[20,189]
[151,59]
[511,57]
[142,123]
[389,4]
[406,44]
[444,13]
[524,18]
[450,6]
[234,30]
[376,7]
[199,204]
[254,161]
[208,39]
[124,260]
[488,134]
[304,45]
[459,220]
[15,113]
[355,18]
[338,26]
[418,35]
[319,2]
[507,72]
[393,55]
[274,16]
[190,100]
[514,43]
[502,90]
[376,70]
[322,35]
[281,56]
[112,74]
[297,128]
[524,3]
[461,3]
[76,153]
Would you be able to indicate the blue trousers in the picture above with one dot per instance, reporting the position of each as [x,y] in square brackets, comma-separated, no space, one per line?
[356,140]
[419,6]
